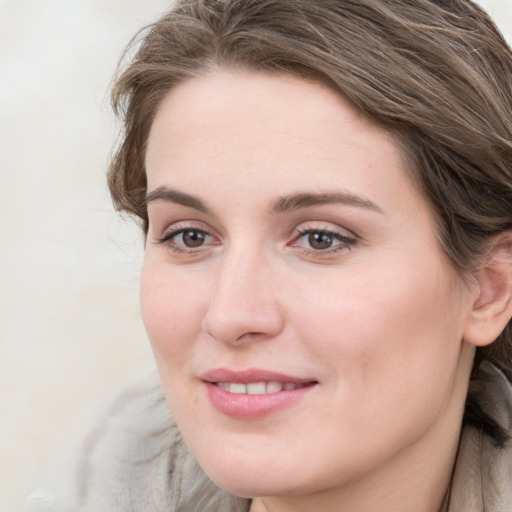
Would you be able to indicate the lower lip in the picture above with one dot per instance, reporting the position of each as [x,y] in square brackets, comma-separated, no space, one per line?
[251,407]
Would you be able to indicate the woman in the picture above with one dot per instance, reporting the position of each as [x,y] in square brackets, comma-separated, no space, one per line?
[325,189]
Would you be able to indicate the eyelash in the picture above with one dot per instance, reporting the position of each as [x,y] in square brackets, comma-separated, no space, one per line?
[344,242]
[168,238]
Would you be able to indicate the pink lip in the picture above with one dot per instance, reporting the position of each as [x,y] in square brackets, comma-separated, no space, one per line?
[251,407]
[250,375]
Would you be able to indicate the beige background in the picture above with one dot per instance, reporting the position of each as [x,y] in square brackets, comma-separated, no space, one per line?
[70,328]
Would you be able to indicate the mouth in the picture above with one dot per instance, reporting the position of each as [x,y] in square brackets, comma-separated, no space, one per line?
[253,394]
[258,388]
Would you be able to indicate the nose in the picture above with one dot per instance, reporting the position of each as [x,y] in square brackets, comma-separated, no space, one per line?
[243,305]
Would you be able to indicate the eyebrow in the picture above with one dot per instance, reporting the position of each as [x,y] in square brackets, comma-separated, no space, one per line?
[177,197]
[282,205]
[308,200]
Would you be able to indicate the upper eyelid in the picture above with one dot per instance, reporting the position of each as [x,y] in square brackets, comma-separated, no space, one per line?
[186,224]
[325,226]
[170,233]
[334,231]
[299,229]
[335,234]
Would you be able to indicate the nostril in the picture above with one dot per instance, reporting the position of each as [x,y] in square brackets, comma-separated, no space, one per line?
[250,335]
[237,329]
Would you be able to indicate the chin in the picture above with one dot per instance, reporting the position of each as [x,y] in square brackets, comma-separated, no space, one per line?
[248,487]
[249,478]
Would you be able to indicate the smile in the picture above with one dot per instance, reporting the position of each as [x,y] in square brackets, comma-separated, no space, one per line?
[257,388]
[253,394]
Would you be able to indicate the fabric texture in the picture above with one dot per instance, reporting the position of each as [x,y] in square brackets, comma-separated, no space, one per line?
[482,479]
[137,461]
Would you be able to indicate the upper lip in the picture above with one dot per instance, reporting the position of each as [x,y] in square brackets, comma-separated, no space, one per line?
[250,375]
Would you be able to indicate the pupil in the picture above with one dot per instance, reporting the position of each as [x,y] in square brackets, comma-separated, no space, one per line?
[193,238]
[320,240]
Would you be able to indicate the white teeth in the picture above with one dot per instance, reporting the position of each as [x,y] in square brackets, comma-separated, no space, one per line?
[236,387]
[274,387]
[257,388]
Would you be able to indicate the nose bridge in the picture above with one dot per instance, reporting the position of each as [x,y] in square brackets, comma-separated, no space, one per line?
[243,301]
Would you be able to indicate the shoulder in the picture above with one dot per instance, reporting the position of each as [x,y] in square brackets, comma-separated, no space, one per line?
[483,473]
[137,460]
[131,456]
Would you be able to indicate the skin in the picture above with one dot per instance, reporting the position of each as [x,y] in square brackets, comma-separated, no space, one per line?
[377,319]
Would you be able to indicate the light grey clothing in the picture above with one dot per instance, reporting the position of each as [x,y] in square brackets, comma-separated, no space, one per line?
[482,481]
[137,461]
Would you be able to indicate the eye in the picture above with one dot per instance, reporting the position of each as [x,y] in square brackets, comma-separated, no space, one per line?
[322,241]
[186,239]
[191,238]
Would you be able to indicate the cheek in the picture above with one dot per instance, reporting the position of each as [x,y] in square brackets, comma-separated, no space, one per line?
[388,327]
[172,313]
[389,343]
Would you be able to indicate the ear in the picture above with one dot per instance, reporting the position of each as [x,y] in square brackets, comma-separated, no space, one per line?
[492,308]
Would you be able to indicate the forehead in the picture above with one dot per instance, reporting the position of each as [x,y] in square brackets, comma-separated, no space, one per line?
[244,128]
[233,95]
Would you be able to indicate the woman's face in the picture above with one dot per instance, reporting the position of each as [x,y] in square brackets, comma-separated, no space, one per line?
[305,323]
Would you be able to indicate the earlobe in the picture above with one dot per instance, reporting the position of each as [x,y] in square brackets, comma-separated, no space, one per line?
[492,308]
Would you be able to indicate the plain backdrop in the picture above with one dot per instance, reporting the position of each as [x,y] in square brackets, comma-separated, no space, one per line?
[71,334]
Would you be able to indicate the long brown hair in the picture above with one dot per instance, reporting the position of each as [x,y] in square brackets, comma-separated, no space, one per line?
[436,73]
